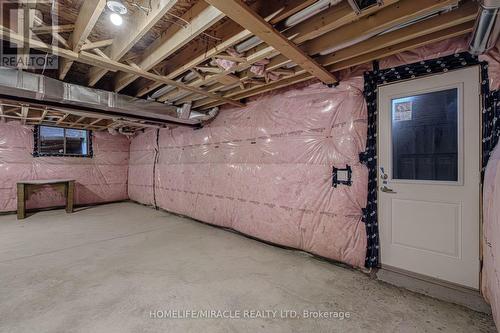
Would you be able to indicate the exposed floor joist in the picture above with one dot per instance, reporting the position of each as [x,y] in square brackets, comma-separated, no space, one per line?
[137,26]
[399,13]
[301,76]
[275,12]
[96,45]
[200,18]
[465,13]
[333,18]
[160,48]
[108,64]
[38,114]
[386,18]
[87,18]
[247,18]
[53,28]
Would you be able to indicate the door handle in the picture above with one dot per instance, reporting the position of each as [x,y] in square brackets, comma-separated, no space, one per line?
[387,190]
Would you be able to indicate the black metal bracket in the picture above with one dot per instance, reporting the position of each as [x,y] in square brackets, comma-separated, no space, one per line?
[345,180]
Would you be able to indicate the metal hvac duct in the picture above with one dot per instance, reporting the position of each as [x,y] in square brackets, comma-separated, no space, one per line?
[486,28]
[29,87]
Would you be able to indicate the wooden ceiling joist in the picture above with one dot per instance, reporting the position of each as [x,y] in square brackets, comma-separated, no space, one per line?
[274,12]
[42,117]
[62,119]
[38,114]
[327,20]
[96,45]
[464,13]
[58,38]
[261,52]
[335,38]
[135,71]
[230,58]
[305,30]
[399,13]
[79,120]
[291,7]
[87,18]
[24,113]
[49,29]
[332,19]
[108,64]
[247,18]
[200,18]
[137,26]
[95,122]
[301,76]
[435,37]
[186,66]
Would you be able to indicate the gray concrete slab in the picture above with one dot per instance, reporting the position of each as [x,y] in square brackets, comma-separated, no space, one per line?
[112,268]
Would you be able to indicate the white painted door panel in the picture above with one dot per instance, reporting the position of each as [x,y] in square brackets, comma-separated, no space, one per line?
[429,151]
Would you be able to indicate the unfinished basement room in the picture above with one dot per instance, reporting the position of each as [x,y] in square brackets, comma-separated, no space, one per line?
[250,166]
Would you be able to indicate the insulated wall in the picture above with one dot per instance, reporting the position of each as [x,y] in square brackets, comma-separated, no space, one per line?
[266,169]
[491,234]
[491,196]
[102,178]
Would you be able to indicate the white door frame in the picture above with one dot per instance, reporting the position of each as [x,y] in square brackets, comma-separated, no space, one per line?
[461,161]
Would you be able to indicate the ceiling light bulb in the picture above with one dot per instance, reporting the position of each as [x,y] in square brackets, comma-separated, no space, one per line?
[116,19]
[117,7]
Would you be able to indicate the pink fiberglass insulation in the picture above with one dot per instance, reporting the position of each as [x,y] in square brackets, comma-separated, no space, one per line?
[493,59]
[430,51]
[444,48]
[491,206]
[266,170]
[143,149]
[102,178]
[491,234]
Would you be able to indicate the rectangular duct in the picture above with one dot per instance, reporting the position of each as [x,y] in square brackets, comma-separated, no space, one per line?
[25,86]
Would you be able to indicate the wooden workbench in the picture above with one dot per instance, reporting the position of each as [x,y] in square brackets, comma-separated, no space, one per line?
[28,187]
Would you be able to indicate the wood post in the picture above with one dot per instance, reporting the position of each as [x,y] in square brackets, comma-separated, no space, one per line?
[70,191]
[21,202]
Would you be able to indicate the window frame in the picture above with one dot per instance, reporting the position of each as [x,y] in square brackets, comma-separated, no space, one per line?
[36,145]
[460,136]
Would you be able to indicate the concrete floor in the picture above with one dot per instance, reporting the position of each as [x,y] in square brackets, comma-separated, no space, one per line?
[105,268]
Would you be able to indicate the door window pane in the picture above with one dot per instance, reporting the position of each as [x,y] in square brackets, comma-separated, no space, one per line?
[425,136]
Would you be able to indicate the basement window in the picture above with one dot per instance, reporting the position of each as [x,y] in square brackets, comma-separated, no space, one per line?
[60,141]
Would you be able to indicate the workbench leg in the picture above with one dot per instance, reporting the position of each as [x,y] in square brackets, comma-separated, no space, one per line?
[21,202]
[70,193]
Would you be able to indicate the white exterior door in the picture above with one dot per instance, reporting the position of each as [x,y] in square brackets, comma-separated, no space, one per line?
[429,176]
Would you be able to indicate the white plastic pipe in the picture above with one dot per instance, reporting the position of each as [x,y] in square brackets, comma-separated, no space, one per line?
[487,27]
